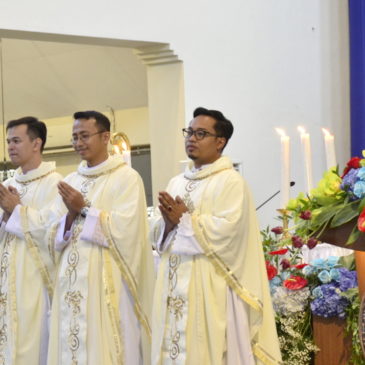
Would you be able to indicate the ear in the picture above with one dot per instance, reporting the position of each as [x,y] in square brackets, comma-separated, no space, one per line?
[37,144]
[221,142]
[106,137]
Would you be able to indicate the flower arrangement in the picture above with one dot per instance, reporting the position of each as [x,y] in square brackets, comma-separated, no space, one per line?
[325,288]
[338,199]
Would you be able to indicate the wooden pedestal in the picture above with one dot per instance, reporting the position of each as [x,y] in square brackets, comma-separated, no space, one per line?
[328,333]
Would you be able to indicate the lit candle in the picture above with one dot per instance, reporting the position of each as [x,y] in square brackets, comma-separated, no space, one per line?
[307,156]
[329,143]
[285,168]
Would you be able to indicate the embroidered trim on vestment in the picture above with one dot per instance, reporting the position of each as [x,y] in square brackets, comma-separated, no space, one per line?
[263,356]
[112,305]
[125,271]
[35,252]
[73,297]
[222,269]
[4,272]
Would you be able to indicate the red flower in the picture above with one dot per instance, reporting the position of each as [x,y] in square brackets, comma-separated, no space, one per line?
[297,242]
[306,215]
[295,282]
[271,270]
[277,230]
[285,264]
[300,266]
[354,163]
[283,251]
[361,221]
[312,242]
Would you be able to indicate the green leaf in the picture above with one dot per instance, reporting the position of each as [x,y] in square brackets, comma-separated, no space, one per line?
[323,215]
[348,262]
[355,234]
[347,213]
[362,205]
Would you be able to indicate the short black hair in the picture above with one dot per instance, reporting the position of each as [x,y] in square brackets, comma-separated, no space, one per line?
[35,128]
[223,127]
[102,122]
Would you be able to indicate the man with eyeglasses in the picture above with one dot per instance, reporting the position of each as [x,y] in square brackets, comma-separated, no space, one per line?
[26,269]
[104,284]
[212,302]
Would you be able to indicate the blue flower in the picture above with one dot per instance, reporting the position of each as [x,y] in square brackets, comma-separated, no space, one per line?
[332,261]
[330,304]
[319,263]
[317,292]
[324,276]
[359,189]
[348,279]
[349,180]
[308,270]
[335,274]
[275,280]
[361,173]
[285,275]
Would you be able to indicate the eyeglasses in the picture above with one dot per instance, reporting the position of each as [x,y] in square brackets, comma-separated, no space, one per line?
[199,134]
[83,137]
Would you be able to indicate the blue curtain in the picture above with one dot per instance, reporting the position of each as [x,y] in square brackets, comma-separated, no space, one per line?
[357,75]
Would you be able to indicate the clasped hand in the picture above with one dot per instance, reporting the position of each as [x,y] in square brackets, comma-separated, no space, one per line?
[171,209]
[9,198]
[72,198]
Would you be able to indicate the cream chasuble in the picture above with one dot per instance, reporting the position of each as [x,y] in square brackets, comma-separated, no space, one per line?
[26,273]
[212,302]
[104,285]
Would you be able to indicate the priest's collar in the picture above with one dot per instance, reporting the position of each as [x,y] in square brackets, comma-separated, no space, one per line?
[110,164]
[223,163]
[43,169]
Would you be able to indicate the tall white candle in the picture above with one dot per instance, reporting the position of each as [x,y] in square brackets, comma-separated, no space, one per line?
[329,143]
[285,168]
[307,157]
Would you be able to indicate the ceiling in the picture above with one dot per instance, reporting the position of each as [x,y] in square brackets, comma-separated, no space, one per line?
[49,79]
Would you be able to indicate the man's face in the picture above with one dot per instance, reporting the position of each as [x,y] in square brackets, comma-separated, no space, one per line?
[208,149]
[89,142]
[21,147]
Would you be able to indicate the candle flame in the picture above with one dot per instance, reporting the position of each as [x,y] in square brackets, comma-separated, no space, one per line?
[301,130]
[326,132]
[281,132]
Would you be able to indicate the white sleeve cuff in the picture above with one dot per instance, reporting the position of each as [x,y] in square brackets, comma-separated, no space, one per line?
[91,230]
[13,225]
[62,237]
[162,246]
[185,242]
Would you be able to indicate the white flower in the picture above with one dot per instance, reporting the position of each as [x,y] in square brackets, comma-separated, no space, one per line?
[287,301]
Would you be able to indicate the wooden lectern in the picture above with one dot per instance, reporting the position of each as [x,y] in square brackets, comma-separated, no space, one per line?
[329,333]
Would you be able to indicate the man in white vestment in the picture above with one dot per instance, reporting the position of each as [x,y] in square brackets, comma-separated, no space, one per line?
[26,268]
[212,303]
[104,285]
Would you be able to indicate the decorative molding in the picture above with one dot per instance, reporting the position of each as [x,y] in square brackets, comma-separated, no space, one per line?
[157,55]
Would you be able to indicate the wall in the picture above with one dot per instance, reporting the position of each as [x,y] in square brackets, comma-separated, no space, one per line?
[133,122]
[265,63]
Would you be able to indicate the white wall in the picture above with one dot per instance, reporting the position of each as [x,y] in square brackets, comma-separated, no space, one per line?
[133,122]
[264,63]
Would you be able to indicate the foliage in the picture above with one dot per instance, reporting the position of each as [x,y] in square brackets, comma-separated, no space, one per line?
[299,290]
[352,326]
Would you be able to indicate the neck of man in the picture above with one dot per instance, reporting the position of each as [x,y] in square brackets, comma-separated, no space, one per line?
[98,160]
[31,164]
[199,164]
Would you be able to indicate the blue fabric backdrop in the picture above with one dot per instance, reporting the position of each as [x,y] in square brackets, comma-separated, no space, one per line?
[357,75]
